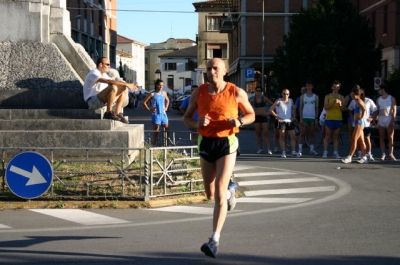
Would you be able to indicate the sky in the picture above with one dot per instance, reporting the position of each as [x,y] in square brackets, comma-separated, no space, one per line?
[155,21]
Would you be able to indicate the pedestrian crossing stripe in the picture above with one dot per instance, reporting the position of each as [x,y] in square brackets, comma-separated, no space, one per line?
[4,226]
[185,209]
[80,216]
[289,191]
[278,181]
[241,167]
[258,174]
[272,200]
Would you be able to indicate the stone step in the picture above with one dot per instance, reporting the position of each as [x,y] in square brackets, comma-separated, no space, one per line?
[12,114]
[59,124]
[127,136]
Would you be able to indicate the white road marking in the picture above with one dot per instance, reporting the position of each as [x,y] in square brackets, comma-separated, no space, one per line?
[289,191]
[241,167]
[257,174]
[185,209]
[4,226]
[80,216]
[278,181]
[272,200]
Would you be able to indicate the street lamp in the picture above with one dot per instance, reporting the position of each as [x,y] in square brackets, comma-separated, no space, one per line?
[263,51]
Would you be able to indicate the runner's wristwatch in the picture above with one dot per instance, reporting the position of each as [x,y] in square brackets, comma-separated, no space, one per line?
[241,122]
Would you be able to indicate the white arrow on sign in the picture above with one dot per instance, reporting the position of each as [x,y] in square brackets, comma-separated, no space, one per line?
[34,177]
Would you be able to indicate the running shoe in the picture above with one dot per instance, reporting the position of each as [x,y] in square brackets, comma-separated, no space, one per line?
[383,157]
[325,154]
[391,157]
[269,152]
[347,160]
[370,157]
[299,154]
[259,151]
[313,152]
[232,200]
[210,248]
[363,160]
[336,156]
[283,155]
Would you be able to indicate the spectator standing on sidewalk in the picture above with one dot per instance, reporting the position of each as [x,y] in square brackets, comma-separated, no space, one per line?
[100,90]
[333,119]
[308,112]
[262,119]
[284,112]
[217,103]
[158,109]
[386,118]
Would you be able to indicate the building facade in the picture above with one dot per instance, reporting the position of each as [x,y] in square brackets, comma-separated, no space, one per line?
[94,26]
[130,56]
[153,69]
[178,68]
[384,16]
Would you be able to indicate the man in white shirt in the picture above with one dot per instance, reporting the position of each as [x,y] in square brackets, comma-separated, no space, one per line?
[100,90]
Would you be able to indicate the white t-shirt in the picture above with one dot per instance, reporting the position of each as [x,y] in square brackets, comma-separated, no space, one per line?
[284,110]
[91,87]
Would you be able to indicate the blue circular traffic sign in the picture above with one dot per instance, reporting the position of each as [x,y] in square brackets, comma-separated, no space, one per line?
[29,175]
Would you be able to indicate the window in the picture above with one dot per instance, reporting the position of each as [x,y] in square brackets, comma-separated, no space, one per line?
[373,20]
[190,65]
[85,10]
[384,68]
[213,23]
[385,19]
[217,50]
[170,66]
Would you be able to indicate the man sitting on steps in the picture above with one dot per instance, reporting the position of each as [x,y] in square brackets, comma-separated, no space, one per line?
[99,89]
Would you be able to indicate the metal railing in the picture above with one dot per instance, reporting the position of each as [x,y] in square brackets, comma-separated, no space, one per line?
[117,173]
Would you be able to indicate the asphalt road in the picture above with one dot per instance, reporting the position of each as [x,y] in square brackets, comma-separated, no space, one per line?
[294,211]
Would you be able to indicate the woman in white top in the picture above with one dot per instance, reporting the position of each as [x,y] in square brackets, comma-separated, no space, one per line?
[284,112]
[386,117]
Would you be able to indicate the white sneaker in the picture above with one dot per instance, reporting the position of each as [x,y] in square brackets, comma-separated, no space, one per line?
[359,155]
[259,151]
[269,152]
[336,156]
[325,154]
[347,160]
[370,157]
[298,154]
[363,160]
[283,155]
[313,152]
[383,157]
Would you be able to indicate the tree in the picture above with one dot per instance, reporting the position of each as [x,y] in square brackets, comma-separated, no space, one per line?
[328,41]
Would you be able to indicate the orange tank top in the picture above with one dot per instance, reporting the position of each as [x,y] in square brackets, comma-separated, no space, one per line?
[219,107]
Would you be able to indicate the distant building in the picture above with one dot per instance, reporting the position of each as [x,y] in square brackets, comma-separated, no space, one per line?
[384,16]
[130,55]
[94,26]
[212,41]
[178,68]
[153,69]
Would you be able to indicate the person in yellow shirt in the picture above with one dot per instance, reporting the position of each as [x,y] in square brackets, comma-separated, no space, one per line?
[333,103]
